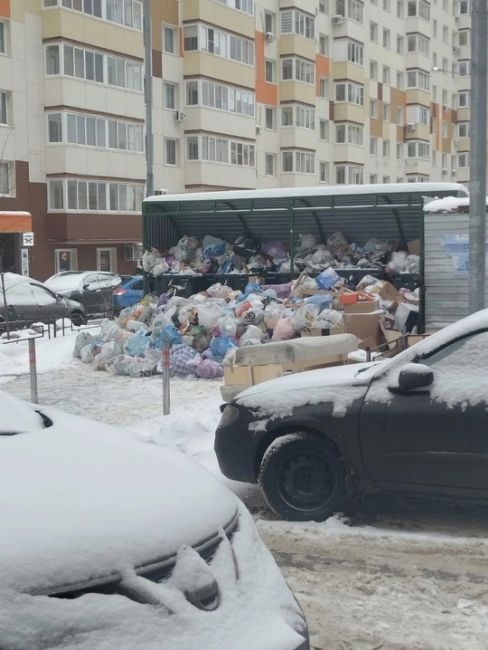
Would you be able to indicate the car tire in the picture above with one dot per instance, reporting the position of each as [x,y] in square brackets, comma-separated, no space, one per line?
[77,318]
[302,477]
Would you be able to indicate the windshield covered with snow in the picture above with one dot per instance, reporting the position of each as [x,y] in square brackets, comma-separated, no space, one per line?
[17,416]
[65,282]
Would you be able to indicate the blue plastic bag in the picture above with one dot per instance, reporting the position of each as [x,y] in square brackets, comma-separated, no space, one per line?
[219,346]
[136,344]
[169,335]
[327,279]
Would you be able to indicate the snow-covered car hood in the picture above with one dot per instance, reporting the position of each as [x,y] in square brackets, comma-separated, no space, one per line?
[81,500]
[279,396]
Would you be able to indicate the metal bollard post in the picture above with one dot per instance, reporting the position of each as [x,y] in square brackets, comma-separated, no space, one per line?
[33,371]
[166,380]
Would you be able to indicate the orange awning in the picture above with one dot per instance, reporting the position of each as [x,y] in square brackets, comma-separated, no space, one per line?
[15,221]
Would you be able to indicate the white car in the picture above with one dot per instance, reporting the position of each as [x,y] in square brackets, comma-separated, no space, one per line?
[135,545]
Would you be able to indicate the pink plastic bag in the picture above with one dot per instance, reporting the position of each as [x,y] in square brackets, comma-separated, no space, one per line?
[283,330]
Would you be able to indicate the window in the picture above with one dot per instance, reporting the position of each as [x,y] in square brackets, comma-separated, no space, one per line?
[302,162]
[418,79]
[269,22]
[373,32]
[192,148]
[418,43]
[464,37]
[169,91]
[5,177]
[124,73]
[324,6]
[220,150]
[3,37]
[298,69]
[323,45]
[192,93]
[294,21]
[94,196]
[386,5]
[399,151]
[125,12]
[52,59]
[323,88]
[354,10]
[242,154]
[90,7]
[373,108]
[54,127]
[269,71]
[349,174]
[4,106]
[386,148]
[324,129]
[386,75]
[463,159]
[349,92]
[270,118]
[418,149]
[463,130]
[80,63]
[270,164]
[324,172]
[418,8]
[299,115]
[107,259]
[219,96]
[464,7]
[386,39]
[218,42]
[287,116]
[65,259]
[349,134]
[418,114]
[400,45]
[445,34]
[373,70]
[386,112]
[169,39]
[355,51]
[399,80]
[246,6]
[373,146]
[464,99]
[400,9]
[399,116]
[373,179]
[464,68]
[170,151]
[55,195]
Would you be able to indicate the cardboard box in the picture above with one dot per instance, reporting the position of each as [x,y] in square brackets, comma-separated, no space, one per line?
[364,326]
[250,375]
[315,331]
[414,247]
[361,307]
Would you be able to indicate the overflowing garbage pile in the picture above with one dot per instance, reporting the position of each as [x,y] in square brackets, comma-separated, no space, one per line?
[246,255]
[204,330]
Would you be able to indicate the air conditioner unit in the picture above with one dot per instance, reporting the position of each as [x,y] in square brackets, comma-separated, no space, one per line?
[453,172]
[456,49]
[258,129]
[132,252]
[180,116]
[269,36]
[337,19]
[444,171]
[411,126]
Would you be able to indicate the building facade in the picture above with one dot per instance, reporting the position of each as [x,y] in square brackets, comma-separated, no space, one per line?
[246,94]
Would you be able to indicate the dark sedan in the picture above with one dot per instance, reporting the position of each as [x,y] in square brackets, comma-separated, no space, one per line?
[416,423]
[28,301]
[92,288]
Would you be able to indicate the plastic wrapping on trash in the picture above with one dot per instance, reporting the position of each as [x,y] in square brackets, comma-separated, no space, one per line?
[254,316]
[227,325]
[219,290]
[272,314]
[136,344]
[276,250]
[88,352]
[412,264]
[82,340]
[209,369]
[185,248]
[107,352]
[327,279]
[166,335]
[181,360]
[338,245]
[307,242]
[149,259]
[209,314]
[219,345]
[213,247]
[252,336]
[283,330]
[304,317]
[328,319]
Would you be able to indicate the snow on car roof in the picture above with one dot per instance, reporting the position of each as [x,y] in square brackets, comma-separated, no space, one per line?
[17,416]
[330,190]
[449,204]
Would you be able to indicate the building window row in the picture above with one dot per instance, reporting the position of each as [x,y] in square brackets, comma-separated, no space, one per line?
[418,43]
[419,8]
[201,92]
[346,174]
[93,66]
[418,149]
[298,69]
[418,114]
[93,131]
[6,178]
[216,41]
[298,161]
[246,6]
[298,115]
[349,133]
[122,12]
[347,91]
[417,78]
[352,9]
[94,196]
[294,21]
[3,37]
[221,150]
[4,107]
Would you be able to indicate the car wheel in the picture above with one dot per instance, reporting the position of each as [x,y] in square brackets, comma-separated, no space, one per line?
[78,319]
[302,477]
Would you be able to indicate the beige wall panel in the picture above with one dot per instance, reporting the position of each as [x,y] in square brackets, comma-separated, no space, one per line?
[376,128]
[297,91]
[20,7]
[214,121]
[201,63]
[216,14]
[349,113]
[298,138]
[463,144]
[416,96]
[298,180]
[290,44]
[350,153]
[220,175]
[420,132]
[99,34]
[463,114]
[345,70]
[87,161]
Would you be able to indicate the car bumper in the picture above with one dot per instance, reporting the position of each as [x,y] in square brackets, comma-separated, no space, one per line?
[236,447]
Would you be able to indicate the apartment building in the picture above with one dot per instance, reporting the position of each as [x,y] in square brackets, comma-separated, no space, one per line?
[246,94]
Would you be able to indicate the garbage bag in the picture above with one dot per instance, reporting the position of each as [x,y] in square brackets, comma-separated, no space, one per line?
[82,340]
[209,369]
[283,330]
[276,250]
[227,325]
[272,314]
[213,247]
[184,249]
[167,335]
[327,279]
[141,367]
[200,338]
[219,290]
[252,336]
[120,365]
[88,352]
[180,360]
[149,259]
[209,314]
[307,242]
[253,316]
[219,345]
[304,317]
[136,344]
[107,352]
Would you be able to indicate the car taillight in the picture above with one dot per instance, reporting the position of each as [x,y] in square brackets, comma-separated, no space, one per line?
[119,292]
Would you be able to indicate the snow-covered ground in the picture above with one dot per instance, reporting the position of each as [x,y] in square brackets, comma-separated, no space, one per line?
[403,575]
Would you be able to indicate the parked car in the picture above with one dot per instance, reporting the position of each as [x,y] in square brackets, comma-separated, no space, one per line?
[92,288]
[90,510]
[414,424]
[29,301]
[128,293]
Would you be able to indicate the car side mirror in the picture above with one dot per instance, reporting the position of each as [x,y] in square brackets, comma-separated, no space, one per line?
[59,297]
[413,376]
[85,286]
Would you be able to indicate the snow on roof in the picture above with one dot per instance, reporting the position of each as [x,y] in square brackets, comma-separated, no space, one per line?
[449,204]
[330,190]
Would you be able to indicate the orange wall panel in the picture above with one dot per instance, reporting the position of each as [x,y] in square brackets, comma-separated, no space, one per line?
[5,8]
[322,69]
[266,93]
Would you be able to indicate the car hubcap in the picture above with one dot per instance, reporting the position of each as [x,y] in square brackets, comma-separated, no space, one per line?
[306,481]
